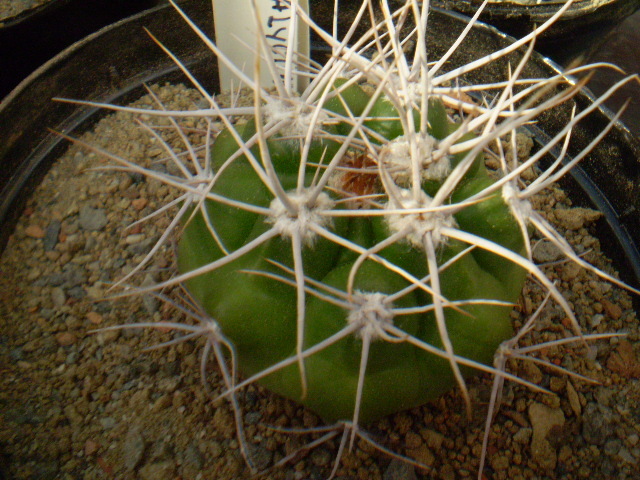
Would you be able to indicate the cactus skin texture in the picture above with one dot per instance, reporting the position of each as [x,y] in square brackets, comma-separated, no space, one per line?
[258,312]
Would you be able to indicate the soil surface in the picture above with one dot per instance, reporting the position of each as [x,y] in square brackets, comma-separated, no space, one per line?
[81,405]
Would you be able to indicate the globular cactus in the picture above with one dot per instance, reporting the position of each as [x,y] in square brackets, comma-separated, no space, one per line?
[351,255]
[348,245]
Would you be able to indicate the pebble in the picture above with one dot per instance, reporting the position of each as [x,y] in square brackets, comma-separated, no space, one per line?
[134,447]
[92,219]
[51,235]
[150,302]
[76,293]
[531,372]
[321,457]
[545,252]
[260,456]
[90,447]
[574,399]
[556,384]
[399,470]
[58,296]
[134,238]
[193,460]
[107,337]
[626,456]
[139,203]
[422,455]
[543,419]
[94,317]
[447,472]
[412,440]
[612,446]
[66,339]
[73,276]
[34,231]
[161,403]
[595,424]
[612,310]
[500,462]
[253,418]
[432,438]
[158,470]
[596,320]
[107,423]
[576,218]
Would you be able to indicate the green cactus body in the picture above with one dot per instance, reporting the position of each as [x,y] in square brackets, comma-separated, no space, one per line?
[258,312]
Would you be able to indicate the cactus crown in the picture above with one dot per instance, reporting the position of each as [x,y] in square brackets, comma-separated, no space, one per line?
[347,243]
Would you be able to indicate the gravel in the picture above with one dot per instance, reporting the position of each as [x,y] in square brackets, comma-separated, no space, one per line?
[77,404]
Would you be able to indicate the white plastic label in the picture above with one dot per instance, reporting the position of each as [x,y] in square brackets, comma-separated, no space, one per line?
[235,26]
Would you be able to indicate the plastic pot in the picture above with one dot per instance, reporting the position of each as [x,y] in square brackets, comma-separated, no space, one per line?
[584,23]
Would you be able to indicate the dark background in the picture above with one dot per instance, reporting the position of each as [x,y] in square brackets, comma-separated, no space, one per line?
[30,39]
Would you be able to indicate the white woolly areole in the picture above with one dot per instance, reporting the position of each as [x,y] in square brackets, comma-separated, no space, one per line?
[371,313]
[520,208]
[395,156]
[288,223]
[409,91]
[201,187]
[417,225]
[299,117]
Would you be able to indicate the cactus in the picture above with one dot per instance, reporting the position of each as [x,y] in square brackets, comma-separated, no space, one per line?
[347,244]
[331,254]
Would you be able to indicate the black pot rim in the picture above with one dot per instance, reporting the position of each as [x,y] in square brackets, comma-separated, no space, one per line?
[30,13]
[28,146]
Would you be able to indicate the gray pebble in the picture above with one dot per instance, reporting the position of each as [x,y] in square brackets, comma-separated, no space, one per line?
[58,296]
[107,423]
[523,435]
[321,457]
[169,385]
[155,471]
[545,252]
[71,358]
[55,279]
[627,457]
[260,456]
[151,303]
[77,293]
[142,246]
[92,219]
[612,447]
[134,446]
[16,354]
[193,459]
[252,418]
[47,469]
[51,235]
[49,345]
[74,276]
[103,307]
[596,426]
[137,177]
[399,470]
